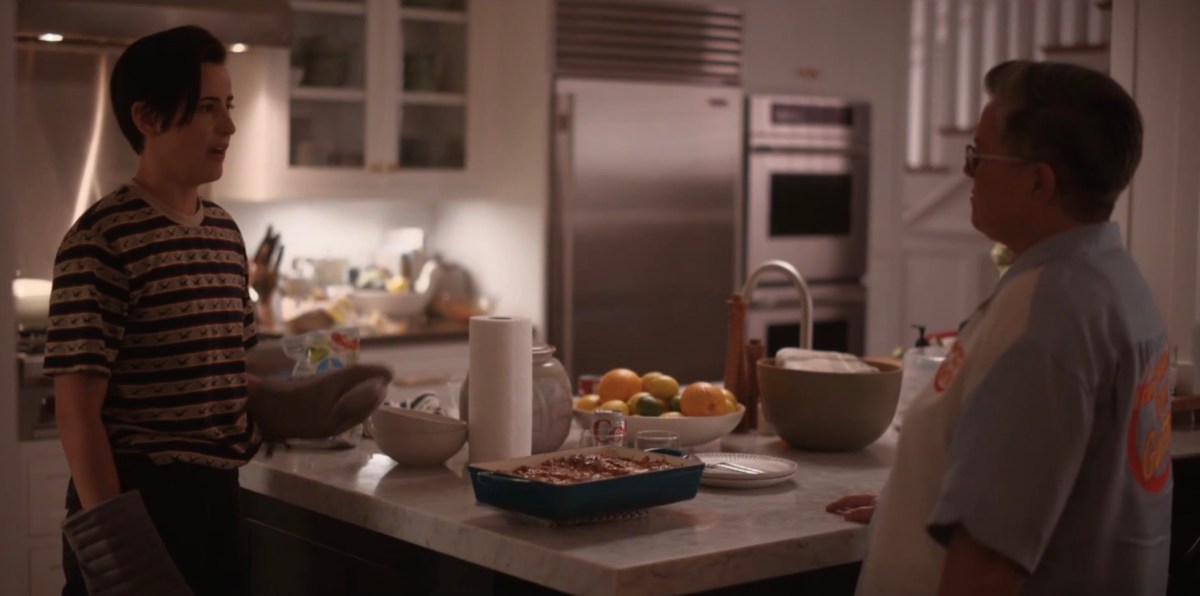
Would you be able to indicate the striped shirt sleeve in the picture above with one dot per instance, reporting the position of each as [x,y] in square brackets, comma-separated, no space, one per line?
[88,305]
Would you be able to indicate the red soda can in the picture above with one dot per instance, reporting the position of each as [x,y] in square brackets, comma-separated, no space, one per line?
[608,427]
[587,384]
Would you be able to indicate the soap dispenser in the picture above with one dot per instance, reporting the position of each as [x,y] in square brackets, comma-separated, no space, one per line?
[921,363]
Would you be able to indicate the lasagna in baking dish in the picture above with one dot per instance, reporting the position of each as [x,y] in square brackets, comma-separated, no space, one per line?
[572,469]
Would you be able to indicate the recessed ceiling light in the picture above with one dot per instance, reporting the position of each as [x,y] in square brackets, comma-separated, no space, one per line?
[50,37]
[238,48]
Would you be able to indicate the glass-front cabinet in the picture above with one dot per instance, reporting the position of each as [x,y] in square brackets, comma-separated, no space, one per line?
[432,73]
[371,98]
[328,73]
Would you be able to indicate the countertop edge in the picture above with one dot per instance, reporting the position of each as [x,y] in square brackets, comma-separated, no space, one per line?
[429,531]
[555,569]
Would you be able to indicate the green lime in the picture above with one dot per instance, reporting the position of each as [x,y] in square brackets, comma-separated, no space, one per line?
[675,403]
[646,405]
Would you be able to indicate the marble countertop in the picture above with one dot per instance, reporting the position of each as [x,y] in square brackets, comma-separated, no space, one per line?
[723,537]
[416,331]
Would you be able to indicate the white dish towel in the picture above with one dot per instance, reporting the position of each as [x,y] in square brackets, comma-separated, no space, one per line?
[819,361]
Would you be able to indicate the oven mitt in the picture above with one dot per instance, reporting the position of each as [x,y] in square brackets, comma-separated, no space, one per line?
[318,406]
[119,550]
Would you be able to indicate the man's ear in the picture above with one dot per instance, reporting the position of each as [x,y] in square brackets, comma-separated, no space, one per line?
[1045,183]
[147,123]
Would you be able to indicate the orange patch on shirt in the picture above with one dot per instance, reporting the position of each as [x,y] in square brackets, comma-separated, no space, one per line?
[949,368]
[1148,440]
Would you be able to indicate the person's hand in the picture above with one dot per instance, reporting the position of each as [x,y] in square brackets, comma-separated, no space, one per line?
[855,508]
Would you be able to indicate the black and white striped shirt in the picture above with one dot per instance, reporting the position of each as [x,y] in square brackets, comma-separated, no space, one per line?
[159,303]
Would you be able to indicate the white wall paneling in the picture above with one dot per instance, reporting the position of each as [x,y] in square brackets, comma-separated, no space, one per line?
[1045,20]
[1020,34]
[1156,55]
[968,37]
[919,81]
[1072,24]
[13,565]
[1098,25]
[942,284]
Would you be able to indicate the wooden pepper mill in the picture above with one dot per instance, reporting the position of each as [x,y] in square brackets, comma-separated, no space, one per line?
[737,373]
[753,351]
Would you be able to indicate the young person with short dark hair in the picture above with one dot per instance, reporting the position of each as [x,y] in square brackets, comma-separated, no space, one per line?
[151,319]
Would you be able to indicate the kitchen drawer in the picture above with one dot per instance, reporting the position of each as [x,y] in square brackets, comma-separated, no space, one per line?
[46,490]
[45,571]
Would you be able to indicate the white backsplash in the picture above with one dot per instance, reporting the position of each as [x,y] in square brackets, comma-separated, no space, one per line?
[501,242]
[350,230]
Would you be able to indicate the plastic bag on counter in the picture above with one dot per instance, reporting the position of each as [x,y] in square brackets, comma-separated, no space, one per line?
[321,351]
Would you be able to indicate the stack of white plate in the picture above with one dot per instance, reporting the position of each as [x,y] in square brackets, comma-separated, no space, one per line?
[733,470]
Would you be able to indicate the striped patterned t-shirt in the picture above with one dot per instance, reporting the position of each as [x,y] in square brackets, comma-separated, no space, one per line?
[159,303]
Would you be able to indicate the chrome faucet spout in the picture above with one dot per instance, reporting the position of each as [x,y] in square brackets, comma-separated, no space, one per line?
[788,271]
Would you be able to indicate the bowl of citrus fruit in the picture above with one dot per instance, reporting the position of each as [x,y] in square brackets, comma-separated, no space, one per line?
[698,412]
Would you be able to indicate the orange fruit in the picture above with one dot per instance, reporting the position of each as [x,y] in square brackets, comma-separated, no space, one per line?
[619,384]
[615,405]
[587,403]
[663,387]
[702,399]
[646,378]
[731,402]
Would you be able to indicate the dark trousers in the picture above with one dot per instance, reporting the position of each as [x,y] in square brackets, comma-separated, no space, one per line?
[195,511]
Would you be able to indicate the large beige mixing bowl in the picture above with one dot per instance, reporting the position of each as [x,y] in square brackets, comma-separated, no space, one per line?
[829,411]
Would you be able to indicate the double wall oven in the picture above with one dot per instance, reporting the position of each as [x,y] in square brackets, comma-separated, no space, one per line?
[807,178]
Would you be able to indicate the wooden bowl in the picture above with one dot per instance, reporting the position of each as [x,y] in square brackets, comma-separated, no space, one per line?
[825,411]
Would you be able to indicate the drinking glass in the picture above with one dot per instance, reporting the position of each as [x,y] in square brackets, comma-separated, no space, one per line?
[650,439]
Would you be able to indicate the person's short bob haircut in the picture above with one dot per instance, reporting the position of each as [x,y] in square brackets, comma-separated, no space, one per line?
[163,72]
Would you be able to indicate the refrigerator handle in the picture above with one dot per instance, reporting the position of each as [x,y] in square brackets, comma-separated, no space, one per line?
[563,200]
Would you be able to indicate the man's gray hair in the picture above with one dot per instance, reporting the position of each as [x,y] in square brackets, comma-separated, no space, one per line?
[1078,121]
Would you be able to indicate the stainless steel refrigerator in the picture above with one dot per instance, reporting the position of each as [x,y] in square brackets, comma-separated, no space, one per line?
[645,225]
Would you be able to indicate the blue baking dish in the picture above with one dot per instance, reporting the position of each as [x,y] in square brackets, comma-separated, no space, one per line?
[568,502]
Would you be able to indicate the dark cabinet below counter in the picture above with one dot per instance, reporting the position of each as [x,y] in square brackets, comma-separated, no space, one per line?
[295,552]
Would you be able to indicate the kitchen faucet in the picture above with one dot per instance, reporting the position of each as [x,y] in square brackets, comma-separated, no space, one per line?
[797,280]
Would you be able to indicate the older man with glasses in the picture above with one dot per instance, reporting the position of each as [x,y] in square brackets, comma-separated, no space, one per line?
[1036,462]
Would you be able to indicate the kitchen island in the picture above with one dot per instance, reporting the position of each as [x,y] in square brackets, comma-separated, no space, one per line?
[722,538]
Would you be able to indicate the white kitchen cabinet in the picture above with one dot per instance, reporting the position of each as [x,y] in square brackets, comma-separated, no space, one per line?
[375,99]
[46,481]
[45,571]
[44,477]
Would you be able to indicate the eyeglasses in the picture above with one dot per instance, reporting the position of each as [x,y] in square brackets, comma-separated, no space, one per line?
[972,158]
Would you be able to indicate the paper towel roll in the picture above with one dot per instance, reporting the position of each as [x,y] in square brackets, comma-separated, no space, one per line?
[501,388]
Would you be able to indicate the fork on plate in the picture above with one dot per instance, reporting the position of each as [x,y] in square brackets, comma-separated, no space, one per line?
[728,465]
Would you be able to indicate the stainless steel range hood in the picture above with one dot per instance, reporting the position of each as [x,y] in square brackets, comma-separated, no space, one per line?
[119,22]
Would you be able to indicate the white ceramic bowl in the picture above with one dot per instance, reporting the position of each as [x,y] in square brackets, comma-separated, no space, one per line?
[692,430]
[420,449]
[396,306]
[414,421]
[417,438]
